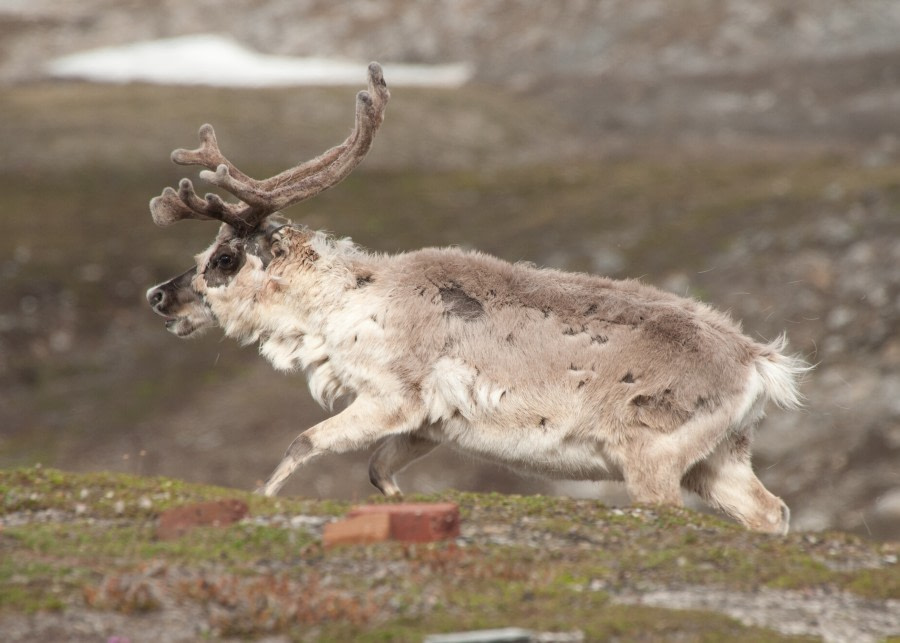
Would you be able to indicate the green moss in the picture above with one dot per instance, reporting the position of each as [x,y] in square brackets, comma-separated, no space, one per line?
[32,586]
[598,620]
[876,583]
[133,542]
[116,495]
[569,560]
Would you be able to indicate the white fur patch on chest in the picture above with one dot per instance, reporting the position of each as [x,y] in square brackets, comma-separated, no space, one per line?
[455,388]
[341,353]
[285,353]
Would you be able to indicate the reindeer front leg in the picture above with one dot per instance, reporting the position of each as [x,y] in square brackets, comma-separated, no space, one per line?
[357,427]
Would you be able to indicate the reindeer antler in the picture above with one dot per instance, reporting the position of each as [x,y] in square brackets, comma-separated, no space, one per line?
[258,199]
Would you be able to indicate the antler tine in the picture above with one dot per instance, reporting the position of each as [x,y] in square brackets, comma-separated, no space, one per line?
[296,188]
[310,178]
[261,198]
[168,208]
[208,155]
[379,91]
[172,206]
[294,191]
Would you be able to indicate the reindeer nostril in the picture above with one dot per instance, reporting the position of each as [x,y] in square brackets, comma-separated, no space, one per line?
[155,297]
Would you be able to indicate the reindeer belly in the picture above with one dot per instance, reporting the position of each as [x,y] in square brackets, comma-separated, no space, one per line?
[552,452]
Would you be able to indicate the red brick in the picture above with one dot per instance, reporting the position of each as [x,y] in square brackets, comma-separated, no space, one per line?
[176,522]
[416,522]
[359,530]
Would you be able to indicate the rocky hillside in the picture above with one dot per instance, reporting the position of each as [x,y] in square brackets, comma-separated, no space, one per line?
[707,70]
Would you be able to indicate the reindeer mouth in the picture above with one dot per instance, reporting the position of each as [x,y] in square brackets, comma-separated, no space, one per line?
[183,321]
[181,326]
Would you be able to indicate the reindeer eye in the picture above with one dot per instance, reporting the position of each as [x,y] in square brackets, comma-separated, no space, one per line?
[225,261]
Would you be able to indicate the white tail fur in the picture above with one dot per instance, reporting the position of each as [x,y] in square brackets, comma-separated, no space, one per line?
[781,374]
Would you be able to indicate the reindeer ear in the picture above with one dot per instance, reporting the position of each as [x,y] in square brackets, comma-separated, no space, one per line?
[273,225]
[271,228]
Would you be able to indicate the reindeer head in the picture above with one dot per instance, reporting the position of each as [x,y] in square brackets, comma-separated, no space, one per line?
[248,237]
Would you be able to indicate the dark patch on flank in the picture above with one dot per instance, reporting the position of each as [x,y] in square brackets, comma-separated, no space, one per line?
[628,379]
[363,280]
[591,309]
[509,338]
[623,320]
[674,328]
[582,384]
[599,339]
[660,411]
[460,304]
[543,423]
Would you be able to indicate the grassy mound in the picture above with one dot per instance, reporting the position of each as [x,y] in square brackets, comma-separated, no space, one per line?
[72,544]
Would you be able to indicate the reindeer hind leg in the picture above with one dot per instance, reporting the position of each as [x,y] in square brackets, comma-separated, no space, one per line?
[726,481]
[655,463]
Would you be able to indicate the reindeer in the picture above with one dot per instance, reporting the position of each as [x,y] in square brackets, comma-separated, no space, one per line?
[570,376]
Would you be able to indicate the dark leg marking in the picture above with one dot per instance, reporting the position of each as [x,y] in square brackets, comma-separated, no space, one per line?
[300,447]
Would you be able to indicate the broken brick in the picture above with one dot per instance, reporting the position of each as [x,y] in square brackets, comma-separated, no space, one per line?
[409,523]
[359,530]
[177,521]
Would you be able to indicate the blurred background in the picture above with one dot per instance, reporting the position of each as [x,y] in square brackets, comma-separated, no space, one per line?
[744,152]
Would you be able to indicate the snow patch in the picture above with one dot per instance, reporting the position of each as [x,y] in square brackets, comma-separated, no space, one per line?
[222,62]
